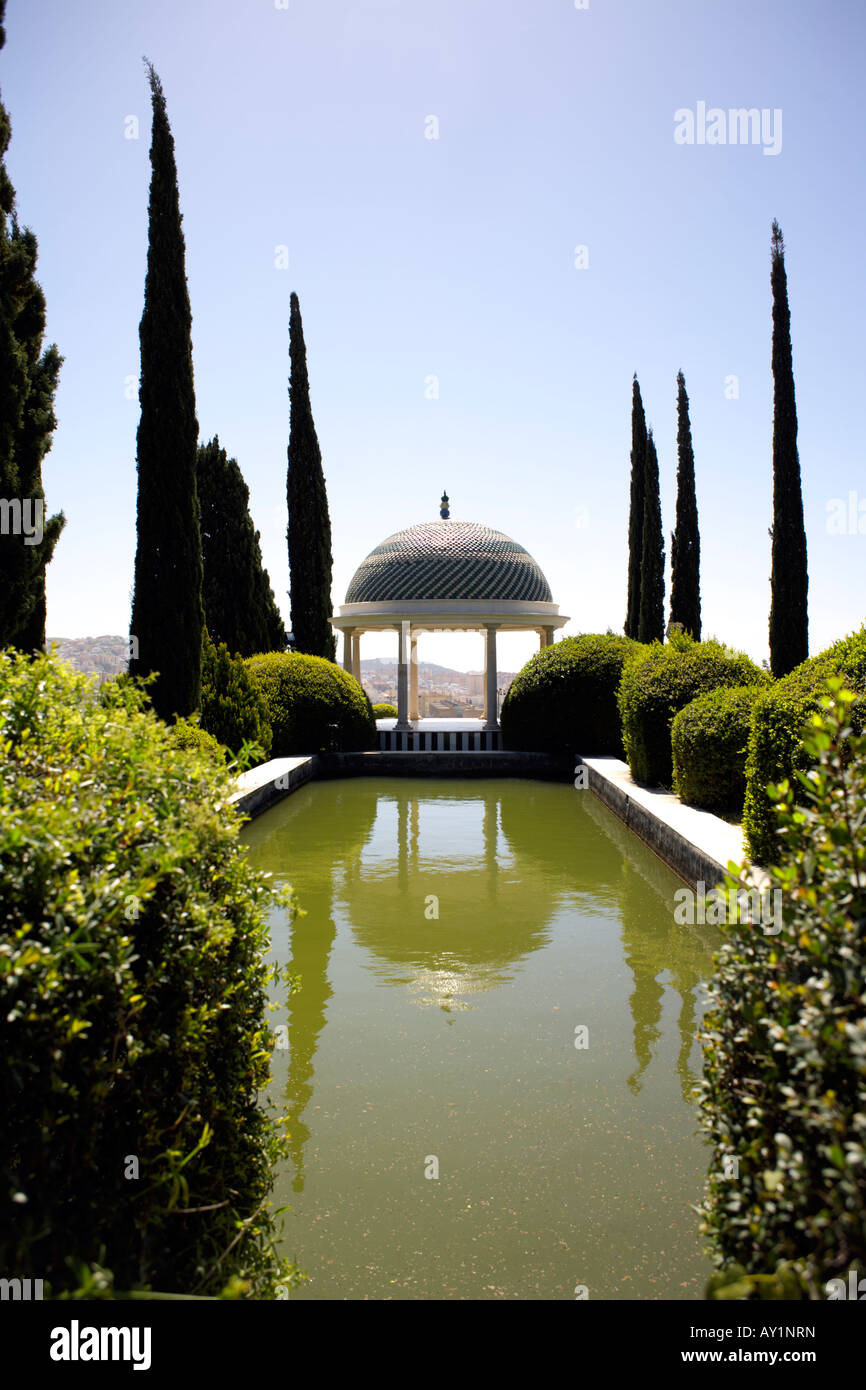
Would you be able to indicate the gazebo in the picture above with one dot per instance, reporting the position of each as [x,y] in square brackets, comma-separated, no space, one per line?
[445,576]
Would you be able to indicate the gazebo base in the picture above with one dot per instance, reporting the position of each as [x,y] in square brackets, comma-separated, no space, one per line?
[438,736]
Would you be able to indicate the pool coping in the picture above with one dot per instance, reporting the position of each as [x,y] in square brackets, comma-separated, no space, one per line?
[697,845]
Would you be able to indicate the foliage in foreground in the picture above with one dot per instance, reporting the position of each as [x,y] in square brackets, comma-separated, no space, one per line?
[784,1090]
[135,1150]
[385,711]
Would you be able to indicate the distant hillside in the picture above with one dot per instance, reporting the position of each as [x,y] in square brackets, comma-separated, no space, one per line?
[94,656]
[382,664]
[105,656]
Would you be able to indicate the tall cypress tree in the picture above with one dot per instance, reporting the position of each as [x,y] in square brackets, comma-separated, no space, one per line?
[686,541]
[651,620]
[309,533]
[167,606]
[28,382]
[239,605]
[789,620]
[636,510]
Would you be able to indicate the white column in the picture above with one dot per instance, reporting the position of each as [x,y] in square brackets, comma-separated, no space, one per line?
[413,678]
[403,677]
[490,679]
[356,655]
[347,649]
[542,638]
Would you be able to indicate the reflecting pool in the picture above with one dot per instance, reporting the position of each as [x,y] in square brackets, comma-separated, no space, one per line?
[491,1058]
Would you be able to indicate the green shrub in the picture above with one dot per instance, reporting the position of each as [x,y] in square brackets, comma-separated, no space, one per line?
[385,711]
[312,704]
[660,680]
[775,742]
[232,708]
[784,1091]
[133,1006]
[733,1282]
[564,698]
[187,733]
[709,738]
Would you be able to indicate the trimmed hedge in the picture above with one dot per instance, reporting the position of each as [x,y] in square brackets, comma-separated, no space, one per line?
[134,1029]
[312,704]
[187,733]
[385,711]
[709,739]
[564,698]
[776,748]
[784,1042]
[660,680]
[232,708]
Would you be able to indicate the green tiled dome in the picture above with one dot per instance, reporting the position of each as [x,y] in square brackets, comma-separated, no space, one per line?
[448,560]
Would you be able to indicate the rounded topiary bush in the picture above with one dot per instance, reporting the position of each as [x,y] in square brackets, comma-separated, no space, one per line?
[312,705]
[385,711]
[709,739]
[776,747]
[564,698]
[134,1024]
[785,1043]
[660,680]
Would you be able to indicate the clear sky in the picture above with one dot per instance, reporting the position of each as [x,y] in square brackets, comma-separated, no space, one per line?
[306,127]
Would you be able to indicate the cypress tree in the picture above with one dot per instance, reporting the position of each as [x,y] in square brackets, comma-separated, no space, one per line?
[789,621]
[239,605]
[651,620]
[232,709]
[636,511]
[686,541]
[166,625]
[28,382]
[309,533]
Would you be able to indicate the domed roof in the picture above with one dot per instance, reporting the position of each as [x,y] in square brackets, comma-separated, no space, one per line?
[448,560]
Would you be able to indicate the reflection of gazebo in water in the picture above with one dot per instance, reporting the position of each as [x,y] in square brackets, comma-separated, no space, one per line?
[445,576]
[452,956]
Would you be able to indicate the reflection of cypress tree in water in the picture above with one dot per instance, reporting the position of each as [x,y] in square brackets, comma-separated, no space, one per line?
[642,959]
[311,941]
[346,822]
[654,944]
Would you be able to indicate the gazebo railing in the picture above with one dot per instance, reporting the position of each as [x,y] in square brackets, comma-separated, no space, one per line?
[440,741]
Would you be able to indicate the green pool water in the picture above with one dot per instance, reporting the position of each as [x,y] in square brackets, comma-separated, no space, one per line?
[421,1043]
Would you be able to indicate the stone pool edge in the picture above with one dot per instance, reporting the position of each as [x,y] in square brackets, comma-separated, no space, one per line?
[696,844]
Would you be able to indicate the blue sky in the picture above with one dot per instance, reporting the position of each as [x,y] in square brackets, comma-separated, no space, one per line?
[306,127]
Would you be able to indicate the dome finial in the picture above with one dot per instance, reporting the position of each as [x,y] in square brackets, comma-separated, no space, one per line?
[443,507]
